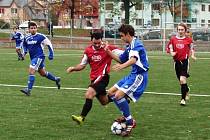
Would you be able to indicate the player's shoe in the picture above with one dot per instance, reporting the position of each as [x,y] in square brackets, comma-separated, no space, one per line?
[26,91]
[128,129]
[78,119]
[58,82]
[183,102]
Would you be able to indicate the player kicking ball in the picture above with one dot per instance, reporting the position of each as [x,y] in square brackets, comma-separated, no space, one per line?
[134,84]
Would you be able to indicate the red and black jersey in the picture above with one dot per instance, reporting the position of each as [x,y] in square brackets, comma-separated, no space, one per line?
[180,45]
[98,60]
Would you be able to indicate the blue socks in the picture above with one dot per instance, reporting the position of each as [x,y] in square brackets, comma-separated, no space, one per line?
[31,79]
[123,106]
[50,76]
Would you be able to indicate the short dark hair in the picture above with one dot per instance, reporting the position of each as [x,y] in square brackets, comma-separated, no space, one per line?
[16,27]
[31,23]
[96,35]
[126,28]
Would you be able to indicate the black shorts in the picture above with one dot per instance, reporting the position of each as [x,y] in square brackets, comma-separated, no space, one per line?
[100,86]
[182,68]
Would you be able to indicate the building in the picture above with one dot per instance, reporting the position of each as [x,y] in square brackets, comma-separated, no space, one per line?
[159,14]
[15,12]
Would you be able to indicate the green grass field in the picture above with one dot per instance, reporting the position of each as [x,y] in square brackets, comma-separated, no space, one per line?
[46,114]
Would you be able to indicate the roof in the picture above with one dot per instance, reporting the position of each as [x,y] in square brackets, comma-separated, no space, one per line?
[21,3]
[5,3]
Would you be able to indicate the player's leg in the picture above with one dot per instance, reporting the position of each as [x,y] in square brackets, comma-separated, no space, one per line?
[183,81]
[178,70]
[89,95]
[100,88]
[31,80]
[18,51]
[49,75]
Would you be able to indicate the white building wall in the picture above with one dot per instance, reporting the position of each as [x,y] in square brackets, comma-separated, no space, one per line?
[166,19]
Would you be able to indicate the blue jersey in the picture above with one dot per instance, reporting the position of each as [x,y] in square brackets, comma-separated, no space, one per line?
[34,44]
[18,37]
[136,49]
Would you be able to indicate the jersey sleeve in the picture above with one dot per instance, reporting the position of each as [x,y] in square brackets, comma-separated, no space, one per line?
[124,56]
[47,42]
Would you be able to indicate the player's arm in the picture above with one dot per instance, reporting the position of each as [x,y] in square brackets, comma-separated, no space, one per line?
[128,63]
[171,50]
[47,42]
[192,51]
[25,49]
[80,66]
[112,54]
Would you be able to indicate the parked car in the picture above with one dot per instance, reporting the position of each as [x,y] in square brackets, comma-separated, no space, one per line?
[112,34]
[200,35]
[155,34]
[24,25]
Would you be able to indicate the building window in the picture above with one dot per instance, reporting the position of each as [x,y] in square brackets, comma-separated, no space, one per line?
[202,22]
[208,23]
[14,10]
[107,20]
[109,6]
[155,22]
[209,8]
[122,7]
[156,6]
[139,21]
[139,6]
[202,7]
[1,10]
[194,20]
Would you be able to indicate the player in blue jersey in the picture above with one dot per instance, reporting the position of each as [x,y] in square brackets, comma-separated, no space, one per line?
[34,44]
[18,37]
[134,84]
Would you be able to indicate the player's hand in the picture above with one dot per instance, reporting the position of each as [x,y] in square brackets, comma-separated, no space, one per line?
[50,57]
[70,69]
[117,67]
[173,53]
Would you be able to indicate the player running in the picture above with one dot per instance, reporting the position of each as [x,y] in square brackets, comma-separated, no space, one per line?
[18,37]
[34,44]
[181,47]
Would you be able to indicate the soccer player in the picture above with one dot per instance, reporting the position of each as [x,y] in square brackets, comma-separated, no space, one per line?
[180,48]
[34,44]
[99,62]
[134,84]
[18,37]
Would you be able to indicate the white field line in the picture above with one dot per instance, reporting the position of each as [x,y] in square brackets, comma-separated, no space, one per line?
[84,89]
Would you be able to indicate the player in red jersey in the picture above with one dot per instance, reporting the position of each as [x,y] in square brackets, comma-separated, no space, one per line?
[100,63]
[181,48]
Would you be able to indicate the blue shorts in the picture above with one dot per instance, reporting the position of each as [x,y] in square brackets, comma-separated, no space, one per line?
[37,63]
[133,85]
[19,46]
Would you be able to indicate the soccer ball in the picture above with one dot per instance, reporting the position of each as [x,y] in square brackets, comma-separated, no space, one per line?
[118,127]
